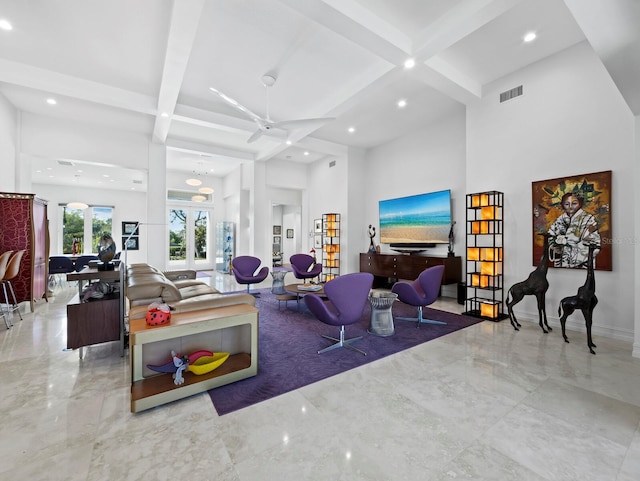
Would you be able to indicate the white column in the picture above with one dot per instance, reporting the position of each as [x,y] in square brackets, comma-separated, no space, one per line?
[636,241]
[154,234]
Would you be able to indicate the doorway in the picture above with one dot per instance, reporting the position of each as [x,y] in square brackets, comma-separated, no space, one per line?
[190,235]
[286,218]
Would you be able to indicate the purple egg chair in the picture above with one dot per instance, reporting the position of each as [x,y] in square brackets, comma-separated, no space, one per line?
[304,266]
[421,292]
[245,270]
[347,296]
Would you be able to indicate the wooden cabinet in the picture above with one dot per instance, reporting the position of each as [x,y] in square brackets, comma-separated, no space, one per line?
[399,266]
[93,322]
[97,320]
[24,226]
[232,329]
[485,293]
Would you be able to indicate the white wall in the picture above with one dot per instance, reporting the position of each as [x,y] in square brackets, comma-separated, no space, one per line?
[571,120]
[8,139]
[328,193]
[427,160]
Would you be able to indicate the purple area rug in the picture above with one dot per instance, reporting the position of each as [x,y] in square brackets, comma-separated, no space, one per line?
[201,274]
[289,341]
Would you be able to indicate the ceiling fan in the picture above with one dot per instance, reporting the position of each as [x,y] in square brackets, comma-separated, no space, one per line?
[265,124]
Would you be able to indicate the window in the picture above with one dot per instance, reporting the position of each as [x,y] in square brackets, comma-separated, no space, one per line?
[72,230]
[78,224]
[102,223]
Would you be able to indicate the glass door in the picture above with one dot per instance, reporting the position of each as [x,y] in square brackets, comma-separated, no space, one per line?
[190,235]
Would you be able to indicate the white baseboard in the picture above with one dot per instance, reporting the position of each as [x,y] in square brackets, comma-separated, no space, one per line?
[576,323]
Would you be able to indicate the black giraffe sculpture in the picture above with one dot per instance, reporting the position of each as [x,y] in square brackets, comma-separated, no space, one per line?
[536,284]
[585,300]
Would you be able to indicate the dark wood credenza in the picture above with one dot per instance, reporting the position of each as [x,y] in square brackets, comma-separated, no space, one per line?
[404,266]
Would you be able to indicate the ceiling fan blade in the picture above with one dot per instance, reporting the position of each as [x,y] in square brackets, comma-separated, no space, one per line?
[238,106]
[255,136]
[269,132]
[302,123]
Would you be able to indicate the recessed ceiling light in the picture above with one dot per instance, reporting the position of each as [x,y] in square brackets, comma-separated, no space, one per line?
[530,37]
[410,63]
[351,130]
[5,25]
[288,142]
[306,153]
[51,101]
[205,190]
[164,114]
[402,103]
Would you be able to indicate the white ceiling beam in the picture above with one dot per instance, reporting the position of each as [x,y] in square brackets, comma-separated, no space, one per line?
[196,147]
[185,17]
[301,139]
[445,78]
[352,21]
[459,22]
[48,81]
[213,120]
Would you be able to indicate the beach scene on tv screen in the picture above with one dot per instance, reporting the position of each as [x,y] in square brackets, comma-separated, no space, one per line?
[423,218]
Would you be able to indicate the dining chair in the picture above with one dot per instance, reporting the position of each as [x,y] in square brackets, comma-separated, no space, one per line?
[4,260]
[11,271]
[60,265]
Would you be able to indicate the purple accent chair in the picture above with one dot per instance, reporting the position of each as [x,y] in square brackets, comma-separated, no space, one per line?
[245,270]
[300,263]
[421,292]
[347,296]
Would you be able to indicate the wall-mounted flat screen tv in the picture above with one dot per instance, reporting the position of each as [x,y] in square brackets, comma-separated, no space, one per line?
[417,221]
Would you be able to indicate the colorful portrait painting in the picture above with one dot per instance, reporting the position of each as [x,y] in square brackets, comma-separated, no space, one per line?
[576,212]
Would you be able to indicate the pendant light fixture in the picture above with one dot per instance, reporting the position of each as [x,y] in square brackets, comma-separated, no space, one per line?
[196,181]
[77,205]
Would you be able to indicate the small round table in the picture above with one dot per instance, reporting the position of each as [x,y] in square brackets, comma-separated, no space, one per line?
[381,323]
[277,287]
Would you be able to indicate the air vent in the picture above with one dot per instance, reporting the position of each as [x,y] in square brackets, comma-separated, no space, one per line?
[332,163]
[510,94]
[65,162]
[137,182]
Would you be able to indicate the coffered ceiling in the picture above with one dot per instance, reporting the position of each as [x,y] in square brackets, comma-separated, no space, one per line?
[121,64]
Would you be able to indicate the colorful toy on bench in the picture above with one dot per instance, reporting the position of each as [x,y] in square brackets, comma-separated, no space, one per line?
[158,314]
[205,364]
[199,362]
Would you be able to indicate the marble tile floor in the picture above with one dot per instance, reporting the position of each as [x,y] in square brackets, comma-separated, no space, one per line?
[484,403]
